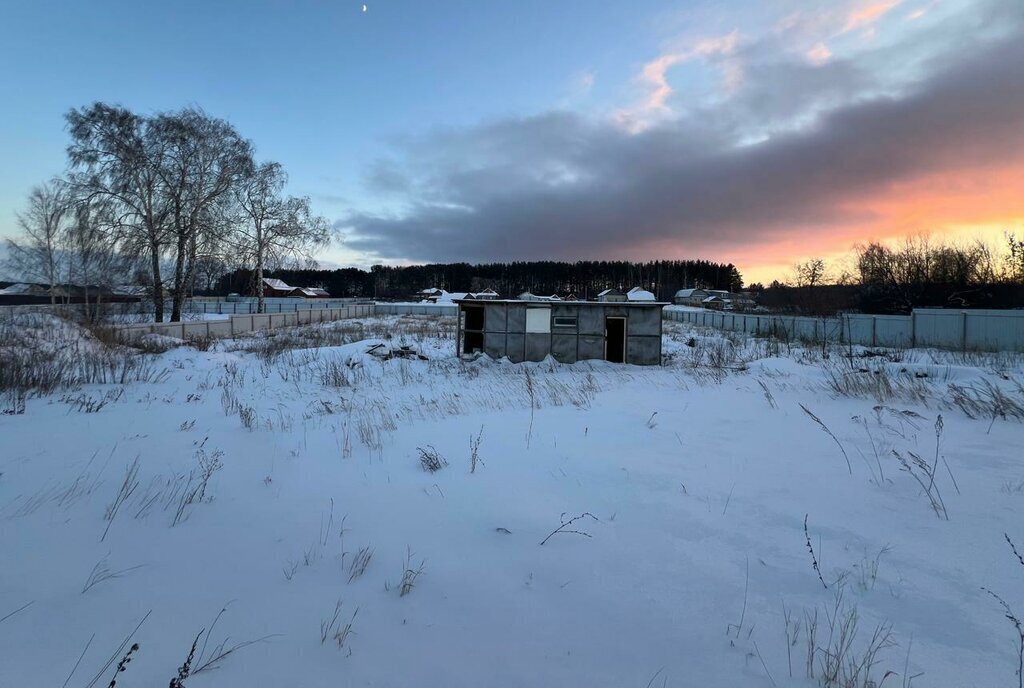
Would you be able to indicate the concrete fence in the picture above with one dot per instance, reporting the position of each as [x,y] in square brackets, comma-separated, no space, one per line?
[963,330]
[248,305]
[417,309]
[240,324]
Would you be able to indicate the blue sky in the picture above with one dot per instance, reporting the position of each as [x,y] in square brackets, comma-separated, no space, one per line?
[317,85]
[563,129]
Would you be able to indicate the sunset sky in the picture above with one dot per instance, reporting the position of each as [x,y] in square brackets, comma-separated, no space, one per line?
[758,132]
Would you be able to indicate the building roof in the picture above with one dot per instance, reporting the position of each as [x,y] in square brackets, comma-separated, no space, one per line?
[545,302]
[688,293]
[276,283]
[638,294]
[609,292]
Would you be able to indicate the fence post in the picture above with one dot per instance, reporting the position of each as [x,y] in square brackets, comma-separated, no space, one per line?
[963,331]
[913,328]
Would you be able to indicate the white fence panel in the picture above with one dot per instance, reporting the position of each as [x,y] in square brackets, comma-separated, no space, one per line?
[927,327]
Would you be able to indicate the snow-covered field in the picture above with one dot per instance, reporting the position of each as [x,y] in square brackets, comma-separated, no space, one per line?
[268,495]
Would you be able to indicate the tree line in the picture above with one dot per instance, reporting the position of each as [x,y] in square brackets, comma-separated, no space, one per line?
[585,279]
[164,201]
[896,278]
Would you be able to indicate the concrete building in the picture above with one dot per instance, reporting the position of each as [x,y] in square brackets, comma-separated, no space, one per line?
[569,331]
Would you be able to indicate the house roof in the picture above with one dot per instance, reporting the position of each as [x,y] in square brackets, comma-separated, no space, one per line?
[687,293]
[609,292]
[545,302]
[276,283]
[638,294]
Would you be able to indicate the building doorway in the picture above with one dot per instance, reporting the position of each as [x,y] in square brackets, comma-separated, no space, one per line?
[472,329]
[615,340]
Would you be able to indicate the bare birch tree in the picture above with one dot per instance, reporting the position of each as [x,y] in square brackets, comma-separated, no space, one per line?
[115,155]
[206,159]
[38,252]
[275,229]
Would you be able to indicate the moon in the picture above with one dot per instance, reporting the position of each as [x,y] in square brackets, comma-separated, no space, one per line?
[364,8]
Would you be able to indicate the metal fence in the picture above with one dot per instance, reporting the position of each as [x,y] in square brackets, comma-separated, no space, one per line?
[240,324]
[270,305]
[964,330]
[416,309]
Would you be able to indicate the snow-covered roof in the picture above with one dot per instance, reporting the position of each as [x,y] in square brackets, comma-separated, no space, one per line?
[687,293]
[21,288]
[430,291]
[274,283]
[638,294]
[712,299]
[606,292]
[527,296]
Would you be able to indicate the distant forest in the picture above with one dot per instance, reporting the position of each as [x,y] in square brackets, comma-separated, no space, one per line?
[583,278]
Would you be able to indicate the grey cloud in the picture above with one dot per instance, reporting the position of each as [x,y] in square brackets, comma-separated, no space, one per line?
[559,185]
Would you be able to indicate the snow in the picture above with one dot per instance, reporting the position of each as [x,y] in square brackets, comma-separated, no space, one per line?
[275,283]
[638,294]
[699,474]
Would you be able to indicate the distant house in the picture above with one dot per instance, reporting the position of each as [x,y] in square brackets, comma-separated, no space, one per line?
[716,302]
[275,287]
[528,296]
[309,293]
[26,293]
[435,295]
[429,294]
[28,289]
[690,297]
[640,294]
[611,295]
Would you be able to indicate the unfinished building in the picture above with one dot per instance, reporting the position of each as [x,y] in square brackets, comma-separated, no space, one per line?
[569,331]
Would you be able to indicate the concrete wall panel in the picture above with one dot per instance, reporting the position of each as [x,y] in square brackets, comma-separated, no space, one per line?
[515,347]
[591,321]
[494,344]
[220,328]
[516,318]
[538,346]
[495,318]
[643,350]
[644,321]
[195,329]
[591,347]
[563,347]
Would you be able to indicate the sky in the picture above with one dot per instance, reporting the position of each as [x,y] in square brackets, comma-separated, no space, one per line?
[757,132]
